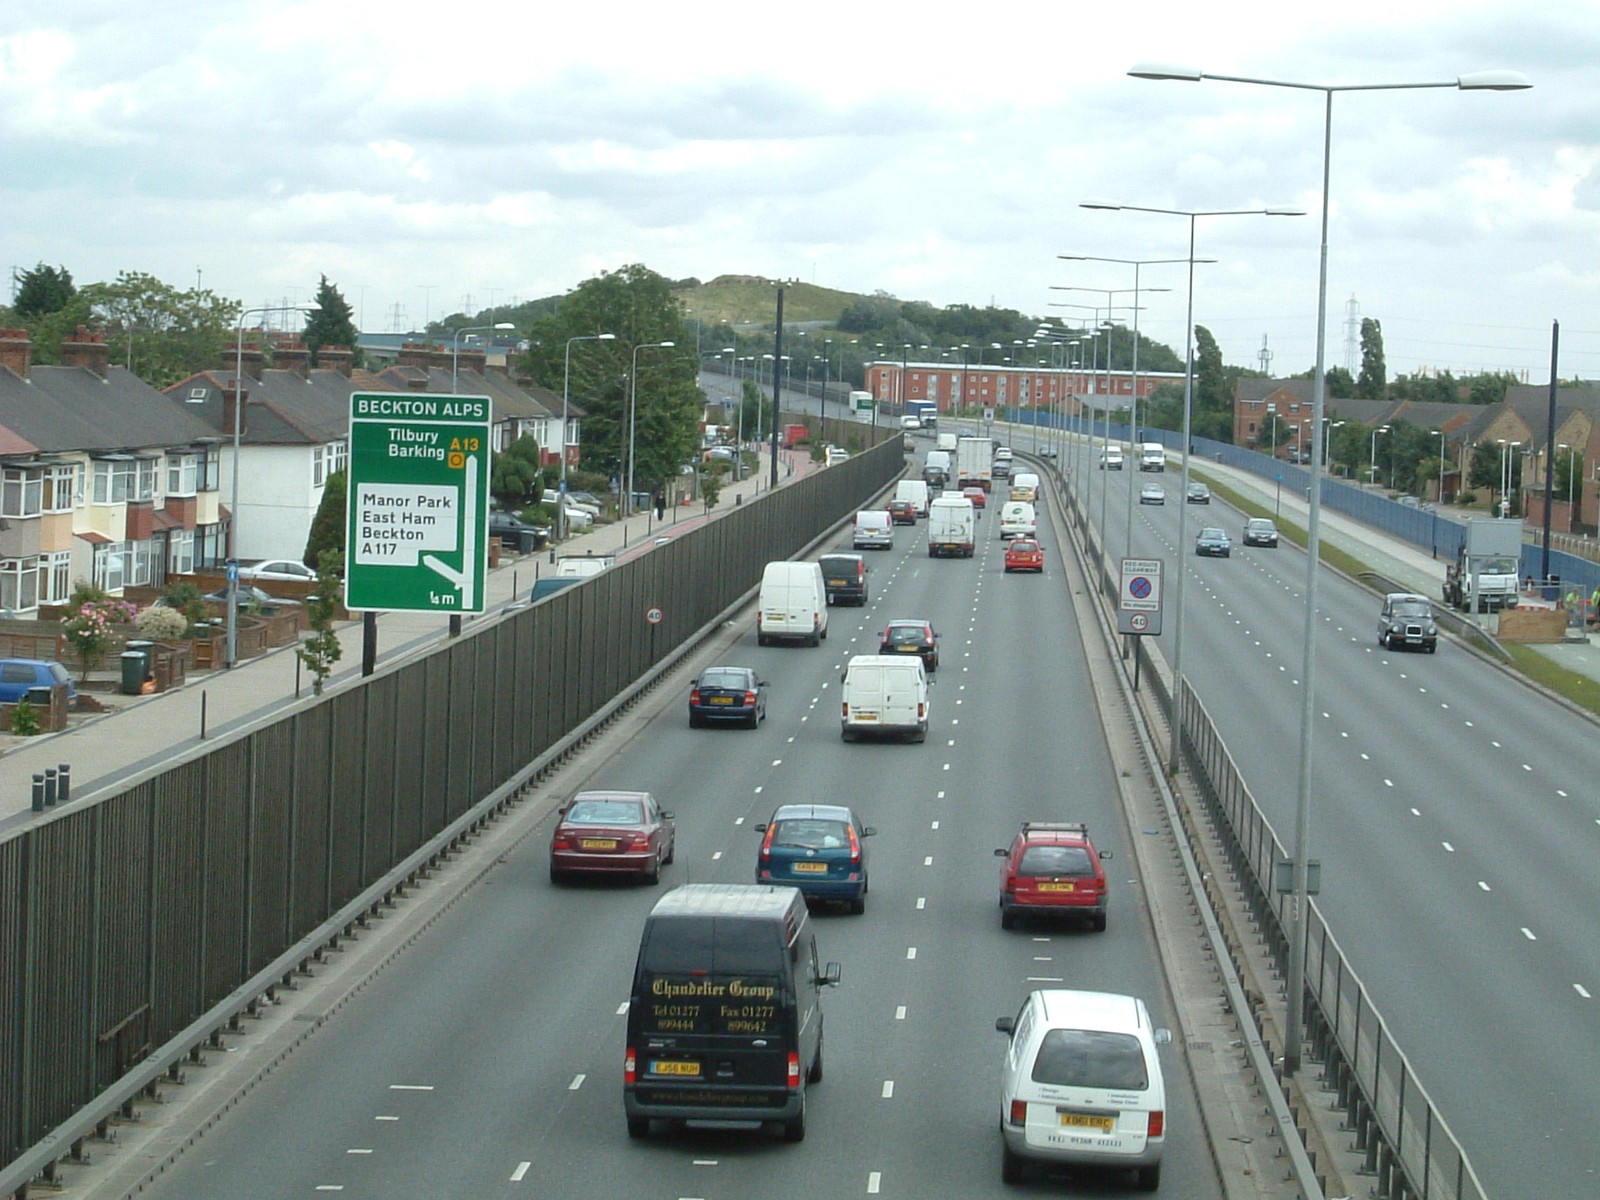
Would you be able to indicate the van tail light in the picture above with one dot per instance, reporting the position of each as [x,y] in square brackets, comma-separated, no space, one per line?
[694,696]
[816,621]
[758,620]
[922,712]
[1019,1111]
[855,848]
[793,1073]
[844,711]
[1158,1124]
[630,1066]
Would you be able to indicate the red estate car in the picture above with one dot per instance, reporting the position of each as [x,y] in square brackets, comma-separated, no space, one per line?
[902,512]
[977,495]
[1024,554]
[612,833]
[1050,869]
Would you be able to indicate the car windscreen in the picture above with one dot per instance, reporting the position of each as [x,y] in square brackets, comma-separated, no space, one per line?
[606,812]
[1055,860]
[1413,610]
[1091,1058]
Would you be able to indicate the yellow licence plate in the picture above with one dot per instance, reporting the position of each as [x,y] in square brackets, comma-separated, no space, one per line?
[811,866]
[722,699]
[1055,887]
[1084,1121]
[598,843]
[664,1067]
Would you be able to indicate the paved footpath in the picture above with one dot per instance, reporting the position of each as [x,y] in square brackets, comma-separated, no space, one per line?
[106,752]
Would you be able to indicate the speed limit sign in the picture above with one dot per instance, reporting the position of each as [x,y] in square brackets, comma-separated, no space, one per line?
[653,615]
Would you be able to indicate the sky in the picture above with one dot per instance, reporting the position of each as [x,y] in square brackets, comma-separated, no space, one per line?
[430,160]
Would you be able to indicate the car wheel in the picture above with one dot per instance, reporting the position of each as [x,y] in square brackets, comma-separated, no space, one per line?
[794,1130]
[696,721]
[754,722]
[653,875]
[761,639]
[858,905]
[557,877]
[1010,1165]
[814,1075]
[1149,1178]
[1098,922]
[672,851]
[1008,919]
[920,736]
[847,735]
[638,1127]
[1433,649]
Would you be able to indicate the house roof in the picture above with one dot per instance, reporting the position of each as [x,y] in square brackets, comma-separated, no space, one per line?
[281,408]
[59,409]
[508,399]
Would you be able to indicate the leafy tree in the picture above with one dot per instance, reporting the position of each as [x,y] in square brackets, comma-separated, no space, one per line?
[327,527]
[1483,469]
[43,290]
[333,322]
[1490,388]
[1338,383]
[1347,444]
[1371,383]
[516,474]
[321,650]
[1212,415]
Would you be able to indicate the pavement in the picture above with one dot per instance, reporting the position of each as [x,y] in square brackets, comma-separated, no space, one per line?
[139,734]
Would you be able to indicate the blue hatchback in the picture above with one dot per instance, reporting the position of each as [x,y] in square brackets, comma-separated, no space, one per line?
[818,848]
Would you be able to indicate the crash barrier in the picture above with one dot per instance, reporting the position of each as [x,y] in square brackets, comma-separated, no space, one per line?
[1406,1147]
[131,921]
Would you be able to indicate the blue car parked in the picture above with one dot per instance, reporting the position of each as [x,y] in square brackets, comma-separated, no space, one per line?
[818,848]
[17,675]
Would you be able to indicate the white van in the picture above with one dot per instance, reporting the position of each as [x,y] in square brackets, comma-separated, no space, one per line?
[916,491]
[1152,456]
[951,524]
[874,530]
[1017,520]
[836,455]
[1111,458]
[947,442]
[582,566]
[1081,1085]
[884,693]
[793,605]
[1025,486]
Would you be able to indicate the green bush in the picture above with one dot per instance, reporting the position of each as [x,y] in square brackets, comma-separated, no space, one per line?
[25,719]
[160,624]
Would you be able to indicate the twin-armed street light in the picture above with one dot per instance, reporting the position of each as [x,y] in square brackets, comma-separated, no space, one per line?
[633,412]
[455,345]
[1497,81]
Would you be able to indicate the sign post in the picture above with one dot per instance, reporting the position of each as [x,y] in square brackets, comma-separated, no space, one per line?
[415,531]
[1139,597]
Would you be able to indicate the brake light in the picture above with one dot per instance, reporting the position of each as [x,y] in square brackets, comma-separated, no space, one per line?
[1158,1124]
[766,840]
[855,848]
[694,695]
[630,1067]
[639,841]
[794,1070]
[1019,1111]
[750,699]
[561,841]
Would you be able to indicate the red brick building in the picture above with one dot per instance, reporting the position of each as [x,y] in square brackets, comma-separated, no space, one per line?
[953,386]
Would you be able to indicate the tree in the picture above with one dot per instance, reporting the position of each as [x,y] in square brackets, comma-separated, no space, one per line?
[333,322]
[327,527]
[1483,469]
[516,474]
[43,290]
[321,650]
[1212,415]
[1338,383]
[1372,383]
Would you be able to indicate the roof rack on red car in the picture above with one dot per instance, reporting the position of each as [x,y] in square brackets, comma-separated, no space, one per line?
[1056,827]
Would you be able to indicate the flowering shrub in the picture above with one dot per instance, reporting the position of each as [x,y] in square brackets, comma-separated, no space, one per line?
[89,629]
[160,624]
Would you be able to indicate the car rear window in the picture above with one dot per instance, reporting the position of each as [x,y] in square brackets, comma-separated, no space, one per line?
[724,679]
[606,812]
[720,946]
[811,833]
[1055,860]
[17,673]
[1091,1058]
[900,634]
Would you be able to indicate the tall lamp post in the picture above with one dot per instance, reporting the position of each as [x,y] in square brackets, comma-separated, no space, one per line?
[455,345]
[633,412]
[566,392]
[233,504]
[1477,81]
[1372,454]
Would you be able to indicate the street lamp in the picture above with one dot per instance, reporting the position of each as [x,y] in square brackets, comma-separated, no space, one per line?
[1372,454]
[1443,463]
[566,391]
[455,345]
[1325,425]
[1500,81]
[1571,476]
[633,412]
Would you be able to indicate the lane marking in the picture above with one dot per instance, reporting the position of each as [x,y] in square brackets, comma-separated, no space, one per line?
[1528,933]
[716,855]
[411,1087]
[385,1118]
[622,1009]
[900,1012]
[922,902]
[911,951]
[874,1179]
[577,1082]
[358,1150]
[740,820]
[1483,885]
[1044,979]
[1451,849]
[936,824]
[1582,991]
[888,1089]
[522,1170]
[928,861]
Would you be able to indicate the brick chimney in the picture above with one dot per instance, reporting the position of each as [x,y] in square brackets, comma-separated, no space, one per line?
[293,356]
[414,354]
[254,358]
[337,358]
[87,350]
[230,400]
[473,360]
[16,351]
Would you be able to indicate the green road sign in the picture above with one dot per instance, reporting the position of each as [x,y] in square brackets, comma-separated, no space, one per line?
[415,526]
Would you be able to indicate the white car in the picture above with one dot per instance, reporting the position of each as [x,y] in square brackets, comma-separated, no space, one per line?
[1082,1085]
[278,568]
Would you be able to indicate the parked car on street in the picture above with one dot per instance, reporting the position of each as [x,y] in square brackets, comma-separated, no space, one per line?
[517,535]
[278,568]
[18,675]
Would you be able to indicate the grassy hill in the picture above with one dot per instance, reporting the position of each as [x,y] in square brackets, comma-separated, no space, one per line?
[752,300]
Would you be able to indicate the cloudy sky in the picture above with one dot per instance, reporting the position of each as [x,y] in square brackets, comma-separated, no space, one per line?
[430,159]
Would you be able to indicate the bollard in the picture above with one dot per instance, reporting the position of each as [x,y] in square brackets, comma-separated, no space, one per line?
[203,711]
[38,791]
[63,783]
[49,787]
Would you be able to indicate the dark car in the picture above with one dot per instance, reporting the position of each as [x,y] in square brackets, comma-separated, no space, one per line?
[1406,622]
[250,597]
[844,576]
[1198,493]
[912,637]
[612,833]
[728,694]
[1213,542]
[902,512]
[818,848]
[1053,869]
[515,534]
[1259,531]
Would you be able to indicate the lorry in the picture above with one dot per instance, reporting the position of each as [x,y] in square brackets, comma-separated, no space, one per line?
[952,522]
[973,463]
[1152,456]
[925,413]
[1484,576]
[793,435]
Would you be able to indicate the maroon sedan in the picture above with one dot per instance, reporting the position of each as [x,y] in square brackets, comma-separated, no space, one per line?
[612,833]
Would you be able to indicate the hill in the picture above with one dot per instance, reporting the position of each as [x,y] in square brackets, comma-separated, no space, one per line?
[752,300]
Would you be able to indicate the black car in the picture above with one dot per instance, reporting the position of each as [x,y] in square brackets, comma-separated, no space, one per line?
[728,694]
[912,637]
[844,576]
[1198,493]
[517,535]
[1259,531]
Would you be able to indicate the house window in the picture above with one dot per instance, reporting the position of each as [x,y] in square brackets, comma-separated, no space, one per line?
[210,469]
[325,460]
[180,552]
[19,584]
[211,545]
[145,481]
[60,487]
[21,492]
[108,565]
[182,472]
[55,577]
[138,562]
[113,480]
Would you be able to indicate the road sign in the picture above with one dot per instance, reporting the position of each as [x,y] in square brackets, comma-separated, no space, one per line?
[653,615]
[416,523]
[1139,597]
